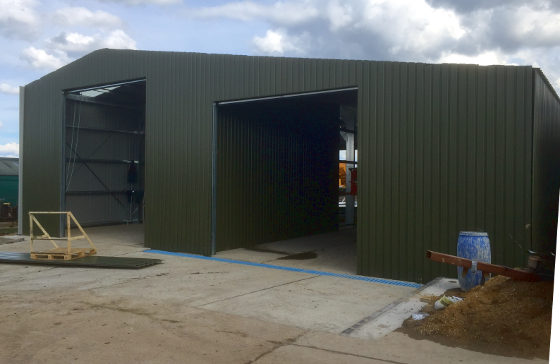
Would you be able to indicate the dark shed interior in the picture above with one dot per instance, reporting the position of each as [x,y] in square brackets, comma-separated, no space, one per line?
[277,170]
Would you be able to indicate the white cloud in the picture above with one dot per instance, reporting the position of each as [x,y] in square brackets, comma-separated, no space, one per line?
[118,39]
[77,44]
[467,6]
[275,43]
[412,28]
[83,31]
[66,47]
[80,16]
[395,27]
[511,28]
[340,15]
[535,27]
[9,150]
[18,18]
[280,13]
[484,58]
[72,42]
[1,124]
[9,89]
[40,58]
[145,2]
[453,31]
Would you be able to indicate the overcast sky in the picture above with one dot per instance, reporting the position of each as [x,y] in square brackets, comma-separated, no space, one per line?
[37,37]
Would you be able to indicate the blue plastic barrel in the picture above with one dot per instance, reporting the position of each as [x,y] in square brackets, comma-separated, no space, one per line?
[474,246]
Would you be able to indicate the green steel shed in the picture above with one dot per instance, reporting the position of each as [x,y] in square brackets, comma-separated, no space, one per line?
[442,148]
[9,176]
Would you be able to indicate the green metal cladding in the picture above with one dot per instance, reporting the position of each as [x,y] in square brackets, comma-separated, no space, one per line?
[442,148]
[546,165]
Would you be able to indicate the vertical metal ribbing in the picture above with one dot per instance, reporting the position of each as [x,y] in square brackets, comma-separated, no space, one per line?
[214,176]
[20,164]
[429,129]
[62,185]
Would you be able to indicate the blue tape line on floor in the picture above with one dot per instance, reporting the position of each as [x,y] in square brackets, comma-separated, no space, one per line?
[291,269]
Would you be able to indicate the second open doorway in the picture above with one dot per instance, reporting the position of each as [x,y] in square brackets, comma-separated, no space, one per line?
[285,187]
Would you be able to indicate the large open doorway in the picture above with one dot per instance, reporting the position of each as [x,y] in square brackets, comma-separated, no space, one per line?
[104,153]
[285,177]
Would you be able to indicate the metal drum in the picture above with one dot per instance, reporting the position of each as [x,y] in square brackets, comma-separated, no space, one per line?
[474,246]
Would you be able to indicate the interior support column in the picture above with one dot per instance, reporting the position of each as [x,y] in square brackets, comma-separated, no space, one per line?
[349,213]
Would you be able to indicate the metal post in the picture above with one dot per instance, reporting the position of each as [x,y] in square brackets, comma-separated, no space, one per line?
[349,214]
[68,236]
[20,164]
[30,233]
[62,184]
[214,176]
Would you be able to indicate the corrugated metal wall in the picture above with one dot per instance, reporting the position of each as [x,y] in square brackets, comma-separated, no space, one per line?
[42,151]
[180,91]
[9,189]
[546,164]
[277,172]
[9,179]
[443,148]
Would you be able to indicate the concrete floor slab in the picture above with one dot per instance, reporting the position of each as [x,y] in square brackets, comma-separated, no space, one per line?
[391,317]
[303,354]
[399,348]
[198,283]
[8,239]
[335,252]
[318,303]
[304,300]
[197,311]
[250,255]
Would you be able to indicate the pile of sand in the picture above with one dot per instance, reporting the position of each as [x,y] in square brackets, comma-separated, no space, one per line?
[504,317]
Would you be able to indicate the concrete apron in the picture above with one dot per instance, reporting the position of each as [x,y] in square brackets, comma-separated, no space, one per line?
[309,301]
[287,305]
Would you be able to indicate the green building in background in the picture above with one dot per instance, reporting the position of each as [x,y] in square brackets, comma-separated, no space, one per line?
[9,180]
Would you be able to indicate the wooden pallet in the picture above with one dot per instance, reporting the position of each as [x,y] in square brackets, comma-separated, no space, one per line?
[58,253]
[63,254]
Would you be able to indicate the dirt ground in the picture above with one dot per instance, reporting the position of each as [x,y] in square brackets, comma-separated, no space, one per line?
[64,327]
[198,311]
[61,326]
[503,317]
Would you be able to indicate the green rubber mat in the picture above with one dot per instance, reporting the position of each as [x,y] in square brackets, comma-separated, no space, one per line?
[93,261]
